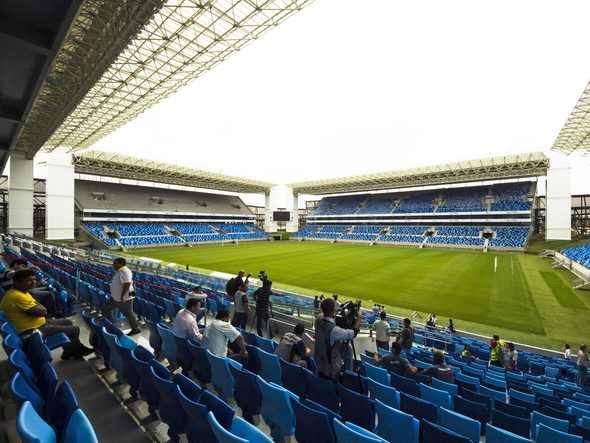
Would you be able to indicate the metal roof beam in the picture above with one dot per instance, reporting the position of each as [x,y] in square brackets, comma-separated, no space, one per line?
[26,37]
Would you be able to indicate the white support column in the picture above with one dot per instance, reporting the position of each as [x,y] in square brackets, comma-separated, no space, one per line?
[269,225]
[558,225]
[59,200]
[20,194]
[293,225]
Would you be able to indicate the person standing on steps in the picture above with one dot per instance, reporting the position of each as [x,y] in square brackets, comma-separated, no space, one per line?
[122,295]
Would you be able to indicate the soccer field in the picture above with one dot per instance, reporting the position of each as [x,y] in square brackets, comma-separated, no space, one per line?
[523,299]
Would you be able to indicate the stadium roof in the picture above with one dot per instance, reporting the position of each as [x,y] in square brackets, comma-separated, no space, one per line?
[575,134]
[31,33]
[113,78]
[132,168]
[513,166]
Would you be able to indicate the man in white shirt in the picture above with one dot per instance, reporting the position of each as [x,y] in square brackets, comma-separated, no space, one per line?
[185,322]
[381,328]
[122,294]
[219,333]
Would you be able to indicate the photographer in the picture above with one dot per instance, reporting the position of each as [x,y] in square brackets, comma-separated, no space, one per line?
[234,284]
[263,305]
[332,343]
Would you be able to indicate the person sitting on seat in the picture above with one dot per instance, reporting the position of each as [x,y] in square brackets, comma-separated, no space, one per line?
[219,333]
[292,349]
[197,293]
[28,316]
[466,353]
[439,369]
[395,362]
[185,323]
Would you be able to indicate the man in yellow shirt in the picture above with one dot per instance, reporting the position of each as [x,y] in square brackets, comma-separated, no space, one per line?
[27,315]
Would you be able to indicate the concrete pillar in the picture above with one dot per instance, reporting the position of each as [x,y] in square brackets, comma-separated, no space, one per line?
[20,194]
[59,200]
[293,225]
[558,225]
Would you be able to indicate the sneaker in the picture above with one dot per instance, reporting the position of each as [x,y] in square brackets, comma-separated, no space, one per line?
[134,332]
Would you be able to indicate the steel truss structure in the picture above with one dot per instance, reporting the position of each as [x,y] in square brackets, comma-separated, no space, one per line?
[575,135]
[101,30]
[514,166]
[183,39]
[132,168]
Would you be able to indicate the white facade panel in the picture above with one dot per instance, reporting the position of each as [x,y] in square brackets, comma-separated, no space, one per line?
[20,195]
[59,200]
[559,200]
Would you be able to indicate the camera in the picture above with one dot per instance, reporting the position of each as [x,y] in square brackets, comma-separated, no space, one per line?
[347,314]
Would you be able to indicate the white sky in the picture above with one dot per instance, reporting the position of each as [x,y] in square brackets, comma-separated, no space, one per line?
[348,87]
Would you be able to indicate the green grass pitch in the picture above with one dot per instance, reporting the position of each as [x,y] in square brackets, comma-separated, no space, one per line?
[524,300]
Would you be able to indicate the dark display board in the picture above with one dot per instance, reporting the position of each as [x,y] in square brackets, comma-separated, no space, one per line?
[281,216]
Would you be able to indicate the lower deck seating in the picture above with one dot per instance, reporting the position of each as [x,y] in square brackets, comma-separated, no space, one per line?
[513,237]
[155,234]
[579,254]
[376,405]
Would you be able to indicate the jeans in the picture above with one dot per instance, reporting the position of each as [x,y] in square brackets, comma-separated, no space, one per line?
[240,320]
[54,326]
[382,345]
[262,323]
[126,308]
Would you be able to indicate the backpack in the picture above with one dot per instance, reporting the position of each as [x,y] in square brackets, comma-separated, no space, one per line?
[230,286]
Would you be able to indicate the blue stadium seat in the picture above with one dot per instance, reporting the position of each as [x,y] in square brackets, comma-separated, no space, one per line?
[322,391]
[396,426]
[548,434]
[474,410]
[357,408]
[64,405]
[293,378]
[141,360]
[421,409]
[433,433]
[555,423]
[349,433]
[461,424]
[311,425]
[221,377]
[517,425]
[23,391]
[168,343]
[240,432]
[200,362]
[451,388]
[379,375]
[276,409]
[516,411]
[169,404]
[270,367]
[79,429]
[246,392]
[405,385]
[498,435]
[386,394]
[436,396]
[31,427]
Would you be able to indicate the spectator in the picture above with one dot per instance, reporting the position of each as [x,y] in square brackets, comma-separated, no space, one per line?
[496,358]
[510,356]
[582,364]
[567,352]
[219,333]
[406,337]
[27,315]
[563,374]
[198,294]
[316,302]
[335,297]
[292,349]
[451,327]
[466,353]
[240,319]
[185,323]
[233,284]
[381,328]
[431,322]
[6,279]
[439,369]
[395,362]
[122,294]
[321,298]
[332,342]
[262,298]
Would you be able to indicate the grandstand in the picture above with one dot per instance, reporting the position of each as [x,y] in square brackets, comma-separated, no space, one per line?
[125,216]
[450,217]
[73,71]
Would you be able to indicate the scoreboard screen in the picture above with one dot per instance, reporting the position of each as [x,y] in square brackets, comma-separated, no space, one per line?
[281,216]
